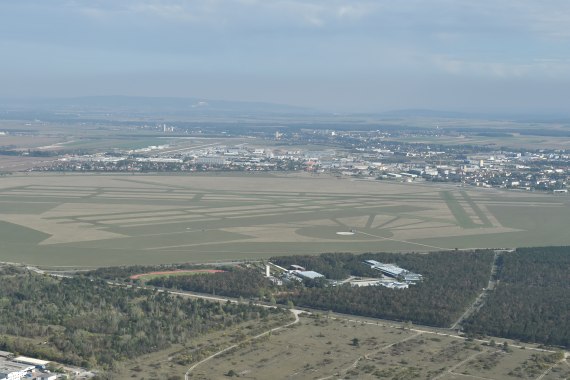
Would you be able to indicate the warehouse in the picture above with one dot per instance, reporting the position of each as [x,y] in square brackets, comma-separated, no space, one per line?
[393,270]
[307,274]
[10,370]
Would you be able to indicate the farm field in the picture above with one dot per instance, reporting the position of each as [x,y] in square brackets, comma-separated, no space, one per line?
[326,348]
[105,220]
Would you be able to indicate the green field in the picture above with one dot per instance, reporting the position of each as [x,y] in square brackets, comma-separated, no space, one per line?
[102,220]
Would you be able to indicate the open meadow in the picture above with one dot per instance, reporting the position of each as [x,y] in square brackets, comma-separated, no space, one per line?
[326,348]
[104,220]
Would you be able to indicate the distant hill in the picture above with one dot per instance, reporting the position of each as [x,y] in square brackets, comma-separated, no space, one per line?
[177,107]
[150,105]
[521,117]
[405,113]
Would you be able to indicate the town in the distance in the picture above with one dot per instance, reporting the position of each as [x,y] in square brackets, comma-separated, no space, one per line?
[383,154]
[319,246]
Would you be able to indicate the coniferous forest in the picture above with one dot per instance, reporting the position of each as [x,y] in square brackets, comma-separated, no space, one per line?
[90,323]
[233,283]
[532,299]
[451,282]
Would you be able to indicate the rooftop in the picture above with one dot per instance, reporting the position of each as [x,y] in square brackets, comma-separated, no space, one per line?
[309,274]
[8,366]
[32,361]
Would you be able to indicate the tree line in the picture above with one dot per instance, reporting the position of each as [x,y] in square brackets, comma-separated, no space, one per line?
[531,301]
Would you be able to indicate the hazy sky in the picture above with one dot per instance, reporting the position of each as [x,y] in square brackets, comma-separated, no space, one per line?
[481,55]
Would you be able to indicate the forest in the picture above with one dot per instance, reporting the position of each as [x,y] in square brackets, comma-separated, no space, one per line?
[531,302]
[92,324]
[235,282]
[452,280]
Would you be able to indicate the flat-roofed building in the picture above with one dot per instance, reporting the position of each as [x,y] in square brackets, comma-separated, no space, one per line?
[308,274]
[395,271]
[31,361]
[10,370]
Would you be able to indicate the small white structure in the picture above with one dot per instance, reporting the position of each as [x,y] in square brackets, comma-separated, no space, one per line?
[395,285]
[365,282]
[275,280]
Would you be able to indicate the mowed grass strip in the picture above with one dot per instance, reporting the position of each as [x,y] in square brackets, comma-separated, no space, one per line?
[457,210]
[480,214]
[15,233]
[150,239]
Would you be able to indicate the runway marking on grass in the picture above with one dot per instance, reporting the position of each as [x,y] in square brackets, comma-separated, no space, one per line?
[402,241]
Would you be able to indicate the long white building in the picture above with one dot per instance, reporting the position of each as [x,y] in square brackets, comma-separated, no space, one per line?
[393,270]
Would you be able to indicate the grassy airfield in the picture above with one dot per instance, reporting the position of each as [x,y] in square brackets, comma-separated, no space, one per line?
[103,220]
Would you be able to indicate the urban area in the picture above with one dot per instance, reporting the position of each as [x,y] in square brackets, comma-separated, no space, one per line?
[375,155]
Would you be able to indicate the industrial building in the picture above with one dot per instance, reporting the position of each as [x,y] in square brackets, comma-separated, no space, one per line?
[307,274]
[23,367]
[10,370]
[394,271]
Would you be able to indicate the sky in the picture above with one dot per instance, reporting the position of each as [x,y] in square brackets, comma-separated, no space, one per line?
[334,55]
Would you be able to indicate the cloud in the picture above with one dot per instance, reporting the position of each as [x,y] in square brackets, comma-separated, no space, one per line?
[309,13]
[370,47]
[166,11]
[545,18]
